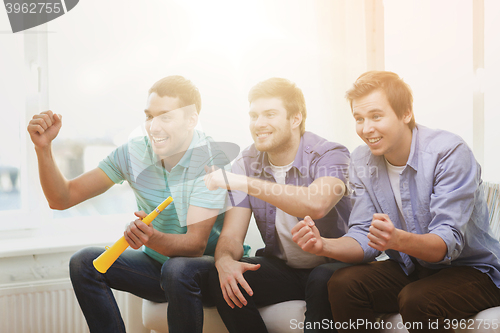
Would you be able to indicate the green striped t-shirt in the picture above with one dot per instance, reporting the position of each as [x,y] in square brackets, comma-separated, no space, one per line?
[136,163]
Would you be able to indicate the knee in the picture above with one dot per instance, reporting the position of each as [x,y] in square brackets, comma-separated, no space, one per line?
[319,277]
[339,285]
[82,261]
[317,282]
[416,304]
[181,271]
[173,272]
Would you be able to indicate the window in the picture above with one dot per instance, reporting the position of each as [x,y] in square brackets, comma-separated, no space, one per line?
[16,82]
[429,44]
[13,101]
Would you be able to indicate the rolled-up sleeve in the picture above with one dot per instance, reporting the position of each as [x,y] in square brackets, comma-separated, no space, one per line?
[457,178]
[361,214]
[333,163]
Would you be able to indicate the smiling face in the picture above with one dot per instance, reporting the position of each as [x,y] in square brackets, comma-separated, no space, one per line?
[378,125]
[271,130]
[170,131]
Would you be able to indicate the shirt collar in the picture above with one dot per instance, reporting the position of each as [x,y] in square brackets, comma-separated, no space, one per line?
[298,161]
[412,158]
[186,158]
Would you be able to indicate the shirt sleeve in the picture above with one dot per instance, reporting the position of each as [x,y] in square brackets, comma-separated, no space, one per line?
[201,196]
[457,177]
[238,198]
[333,163]
[361,214]
[115,164]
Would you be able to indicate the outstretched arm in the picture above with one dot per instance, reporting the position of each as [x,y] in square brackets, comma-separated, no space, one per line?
[315,200]
[60,192]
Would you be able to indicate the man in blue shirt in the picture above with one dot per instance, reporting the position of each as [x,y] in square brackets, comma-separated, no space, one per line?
[417,196]
[286,174]
[167,162]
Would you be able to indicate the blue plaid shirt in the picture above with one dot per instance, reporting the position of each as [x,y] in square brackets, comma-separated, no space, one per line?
[440,193]
[315,158]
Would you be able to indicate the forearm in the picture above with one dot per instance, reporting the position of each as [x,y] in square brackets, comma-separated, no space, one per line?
[55,186]
[345,249]
[426,247]
[176,245]
[315,200]
[228,248]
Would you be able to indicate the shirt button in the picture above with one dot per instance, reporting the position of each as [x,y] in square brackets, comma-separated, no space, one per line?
[271,211]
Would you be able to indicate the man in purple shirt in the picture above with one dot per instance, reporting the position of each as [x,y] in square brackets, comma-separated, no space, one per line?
[417,196]
[285,175]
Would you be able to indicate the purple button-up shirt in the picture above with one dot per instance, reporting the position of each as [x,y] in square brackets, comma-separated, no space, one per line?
[441,193]
[316,157]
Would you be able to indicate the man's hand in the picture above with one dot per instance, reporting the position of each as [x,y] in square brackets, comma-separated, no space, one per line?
[307,236]
[383,235]
[138,233]
[230,275]
[44,127]
[216,178]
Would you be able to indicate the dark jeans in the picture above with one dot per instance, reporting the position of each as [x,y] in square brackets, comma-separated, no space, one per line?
[426,296]
[272,283]
[181,281]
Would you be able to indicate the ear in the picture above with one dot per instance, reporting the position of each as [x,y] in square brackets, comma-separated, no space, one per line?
[192,120]
[407,116]
[296,120]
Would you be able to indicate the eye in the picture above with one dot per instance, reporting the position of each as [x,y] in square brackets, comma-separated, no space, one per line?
[149,117]
[376,117]
[359,120]
[271,114]
[253,117]
[165,117]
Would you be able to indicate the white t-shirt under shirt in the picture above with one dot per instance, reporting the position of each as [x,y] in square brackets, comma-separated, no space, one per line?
[293,255]
[394,172]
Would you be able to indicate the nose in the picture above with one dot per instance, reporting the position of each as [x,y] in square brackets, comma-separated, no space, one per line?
[260,122]
[153,125]
[367,127]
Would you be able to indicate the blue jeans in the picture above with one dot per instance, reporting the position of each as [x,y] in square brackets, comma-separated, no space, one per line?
[181,281]
[276,282]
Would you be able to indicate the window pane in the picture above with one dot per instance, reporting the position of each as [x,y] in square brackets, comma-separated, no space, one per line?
[490,88]
[12,106]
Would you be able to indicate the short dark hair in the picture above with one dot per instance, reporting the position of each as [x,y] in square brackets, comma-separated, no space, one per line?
[180,87]
[398,92]
[291,96]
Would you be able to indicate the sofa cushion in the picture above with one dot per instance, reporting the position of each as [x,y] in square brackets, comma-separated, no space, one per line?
[486,321]
[289,316]
[279,318]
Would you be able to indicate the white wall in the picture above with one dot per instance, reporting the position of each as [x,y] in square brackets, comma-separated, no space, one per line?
[101,64]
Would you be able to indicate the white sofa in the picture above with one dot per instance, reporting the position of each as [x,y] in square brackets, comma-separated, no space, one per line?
[279,318]
[289,317]
[487,321]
